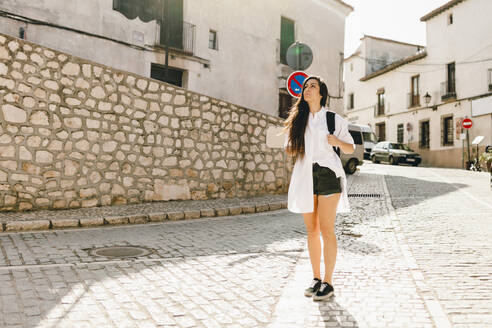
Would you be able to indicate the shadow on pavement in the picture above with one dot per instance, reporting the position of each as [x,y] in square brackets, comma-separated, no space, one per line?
[335,315]
[407,192]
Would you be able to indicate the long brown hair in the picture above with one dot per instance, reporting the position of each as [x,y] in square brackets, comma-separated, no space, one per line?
[296,122]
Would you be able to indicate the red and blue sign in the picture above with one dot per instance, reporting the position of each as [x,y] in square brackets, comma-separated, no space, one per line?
[294,83]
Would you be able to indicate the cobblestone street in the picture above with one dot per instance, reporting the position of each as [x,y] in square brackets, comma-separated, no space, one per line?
[417,256]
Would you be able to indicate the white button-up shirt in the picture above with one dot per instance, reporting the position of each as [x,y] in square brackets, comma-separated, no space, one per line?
[318,150]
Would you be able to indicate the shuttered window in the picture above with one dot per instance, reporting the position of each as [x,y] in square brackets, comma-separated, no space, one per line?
[287,37]
[399,131]
[424,134]
[447,131]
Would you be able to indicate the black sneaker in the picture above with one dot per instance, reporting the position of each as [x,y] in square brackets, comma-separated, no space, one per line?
[325,291]
[315,285]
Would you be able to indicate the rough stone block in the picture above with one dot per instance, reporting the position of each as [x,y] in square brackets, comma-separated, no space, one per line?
[138,219]
[207,212]
[192,214]
[275,206]
[222,211]
[27,225]
[175,216]
[248,209]
[64,223]
[91,222]
[235,210]
[262,208]
[116,220]
[157,217]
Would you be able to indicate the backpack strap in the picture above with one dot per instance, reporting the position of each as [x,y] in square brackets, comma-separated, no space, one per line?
[330,121]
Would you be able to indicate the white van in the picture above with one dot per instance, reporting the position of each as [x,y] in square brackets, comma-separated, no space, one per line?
[369,137]
[364,140]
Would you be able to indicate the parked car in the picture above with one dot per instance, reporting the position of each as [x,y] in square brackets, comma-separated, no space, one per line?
[351,161]
[394,153]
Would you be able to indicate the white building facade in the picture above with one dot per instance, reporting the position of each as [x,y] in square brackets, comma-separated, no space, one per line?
[454,69]
[231,50]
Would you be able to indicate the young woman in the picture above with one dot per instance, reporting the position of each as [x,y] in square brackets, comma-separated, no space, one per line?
[318,184]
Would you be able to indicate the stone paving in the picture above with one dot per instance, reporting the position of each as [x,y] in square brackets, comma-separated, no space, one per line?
[403,261]
[138,213]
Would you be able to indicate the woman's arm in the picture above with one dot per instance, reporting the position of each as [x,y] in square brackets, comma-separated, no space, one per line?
[346,147]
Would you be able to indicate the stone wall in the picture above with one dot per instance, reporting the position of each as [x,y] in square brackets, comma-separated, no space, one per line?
[78,134]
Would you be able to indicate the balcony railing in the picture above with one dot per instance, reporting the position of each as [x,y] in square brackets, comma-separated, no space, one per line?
[181,37]
[448,89]
[413,100]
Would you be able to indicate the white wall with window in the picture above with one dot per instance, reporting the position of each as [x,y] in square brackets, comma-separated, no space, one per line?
[455,71]
[230,50]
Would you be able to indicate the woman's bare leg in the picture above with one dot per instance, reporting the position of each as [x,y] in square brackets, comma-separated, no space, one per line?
[313,238]
[327,212]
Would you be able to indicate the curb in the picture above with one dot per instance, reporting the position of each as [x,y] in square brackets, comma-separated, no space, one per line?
[58,224]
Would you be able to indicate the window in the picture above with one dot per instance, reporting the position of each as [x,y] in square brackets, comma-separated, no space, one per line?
[399,133]
[451,78]
[489,75]
[381,131]
[174,76]
[370,136]
[380,104]
[450,19]
[169,19]
[212,40]
[350,104]
[287,37]
[447,131]
[424,134]
[357,136]
[284,104]
[414,93]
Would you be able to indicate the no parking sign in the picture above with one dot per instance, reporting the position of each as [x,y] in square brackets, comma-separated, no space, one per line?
[294,83]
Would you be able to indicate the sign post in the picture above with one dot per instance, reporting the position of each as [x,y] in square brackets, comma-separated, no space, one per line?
[299,56]
[467,124]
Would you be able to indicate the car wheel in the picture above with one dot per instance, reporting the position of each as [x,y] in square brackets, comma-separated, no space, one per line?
[351,166]
[415,164]
[392,160]
[373,159]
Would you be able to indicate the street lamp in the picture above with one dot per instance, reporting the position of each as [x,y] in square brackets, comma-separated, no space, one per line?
[427,98]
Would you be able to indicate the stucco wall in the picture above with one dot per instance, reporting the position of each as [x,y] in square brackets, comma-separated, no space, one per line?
[245,70]
[76,133]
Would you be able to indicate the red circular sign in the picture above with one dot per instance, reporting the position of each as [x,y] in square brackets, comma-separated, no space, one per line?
[294,83]
[467,123]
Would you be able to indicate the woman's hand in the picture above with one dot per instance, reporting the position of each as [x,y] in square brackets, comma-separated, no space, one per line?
[334,141]
[347,148]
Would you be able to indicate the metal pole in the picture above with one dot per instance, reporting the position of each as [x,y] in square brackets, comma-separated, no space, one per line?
[468,146]
[298,56]
[165,16]
[462,153]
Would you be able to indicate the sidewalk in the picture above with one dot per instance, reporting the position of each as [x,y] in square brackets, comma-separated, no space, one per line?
[138,213]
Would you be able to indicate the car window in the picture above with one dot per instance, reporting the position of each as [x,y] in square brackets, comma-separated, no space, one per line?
[356,136]
[369,136]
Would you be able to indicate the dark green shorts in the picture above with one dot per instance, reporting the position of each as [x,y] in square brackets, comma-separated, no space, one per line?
[325,182]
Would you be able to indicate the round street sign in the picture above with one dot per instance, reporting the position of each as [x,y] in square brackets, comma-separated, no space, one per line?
[299,56]
[294,83]
[467,123]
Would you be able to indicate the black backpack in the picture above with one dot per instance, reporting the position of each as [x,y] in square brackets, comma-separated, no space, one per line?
[330,121]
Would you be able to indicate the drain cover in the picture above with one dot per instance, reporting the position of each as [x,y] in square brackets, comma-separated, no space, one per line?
[120,251]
